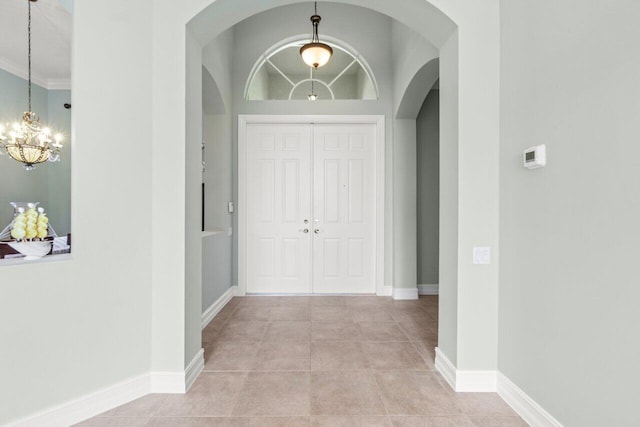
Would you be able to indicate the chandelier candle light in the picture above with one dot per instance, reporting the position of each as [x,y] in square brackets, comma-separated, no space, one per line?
[28,141]
[316,54]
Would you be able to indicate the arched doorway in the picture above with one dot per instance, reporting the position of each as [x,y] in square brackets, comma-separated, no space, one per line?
[469,69]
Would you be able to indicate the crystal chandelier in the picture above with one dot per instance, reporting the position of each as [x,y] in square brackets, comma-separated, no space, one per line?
[314,53]
[28,141]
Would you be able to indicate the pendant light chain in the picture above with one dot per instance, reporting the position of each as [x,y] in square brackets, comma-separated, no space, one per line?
[29,52]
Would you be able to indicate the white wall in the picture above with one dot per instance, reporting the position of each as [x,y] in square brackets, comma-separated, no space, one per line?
[569,232]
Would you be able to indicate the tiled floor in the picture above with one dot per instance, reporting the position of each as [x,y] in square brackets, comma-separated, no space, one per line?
[319,361]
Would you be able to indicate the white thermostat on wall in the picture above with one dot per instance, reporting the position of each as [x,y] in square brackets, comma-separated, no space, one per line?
[535,157]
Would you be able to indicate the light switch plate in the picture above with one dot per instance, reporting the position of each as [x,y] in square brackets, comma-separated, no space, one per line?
[482,255]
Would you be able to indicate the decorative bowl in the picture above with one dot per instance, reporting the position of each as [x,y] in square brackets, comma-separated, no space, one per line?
[32,250]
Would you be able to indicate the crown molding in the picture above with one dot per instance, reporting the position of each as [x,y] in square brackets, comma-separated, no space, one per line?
[23,73]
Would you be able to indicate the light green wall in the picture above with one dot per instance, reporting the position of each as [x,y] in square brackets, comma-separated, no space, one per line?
[59,173]
[193,203]
[217,249]
[60,321]
[449,208]
[428,171]
[569,232]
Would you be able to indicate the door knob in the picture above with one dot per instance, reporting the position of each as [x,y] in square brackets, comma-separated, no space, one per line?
[306,221]
[306,230]
[317,231]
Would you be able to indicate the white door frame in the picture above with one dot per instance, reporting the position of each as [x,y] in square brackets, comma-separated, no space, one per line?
[246,119]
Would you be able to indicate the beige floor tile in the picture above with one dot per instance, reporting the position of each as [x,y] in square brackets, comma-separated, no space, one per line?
[376,331]
[483,404]
[368,301]
[291,313]
[350,421]
[335,331]
[331,313]
[345,393]
[279,422]
[419,332]
[274,394]
[254,301]
[294,330]
[213,394]
[337,355]
[409,421]
[231,356]
[427,349]
[114,422]
[318,300]
[498,422]
[198,422]
[212,332]
[250,312]
[146,406]
[350,361]
[231,422]
[419,318]
[292,301]
[283,356]
[393,355]
[370,314]
[243,331]
[415,393]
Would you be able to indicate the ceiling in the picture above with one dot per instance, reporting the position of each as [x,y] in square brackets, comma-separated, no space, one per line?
[50,41]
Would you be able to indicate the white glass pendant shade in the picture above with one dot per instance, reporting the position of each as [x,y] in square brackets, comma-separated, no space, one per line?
[316,54]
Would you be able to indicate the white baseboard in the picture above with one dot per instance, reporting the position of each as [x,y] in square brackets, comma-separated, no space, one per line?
[215,308]
[387,291]
[166,382]
[524,405]
[85,407]
[476,381]
[236,291]
[193,370]
[177,382]
[446,368]
[405,293]
[465,381]
[429,289]
[491,381]
[88,406]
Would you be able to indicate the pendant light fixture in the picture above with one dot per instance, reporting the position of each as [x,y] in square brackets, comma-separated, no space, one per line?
[28,141]
[314,53]
[313,95]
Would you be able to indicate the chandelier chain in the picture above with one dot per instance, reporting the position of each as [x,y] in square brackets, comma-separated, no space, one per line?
[29,51]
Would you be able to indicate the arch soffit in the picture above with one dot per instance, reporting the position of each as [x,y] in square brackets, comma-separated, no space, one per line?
[417,90]
[212,17]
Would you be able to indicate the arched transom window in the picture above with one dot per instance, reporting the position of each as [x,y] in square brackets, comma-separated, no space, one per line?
[280,74]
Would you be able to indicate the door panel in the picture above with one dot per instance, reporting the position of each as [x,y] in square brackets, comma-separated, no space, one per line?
[344,208]
[278,202]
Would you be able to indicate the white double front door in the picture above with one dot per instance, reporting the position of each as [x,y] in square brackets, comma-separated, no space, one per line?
[310,208]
